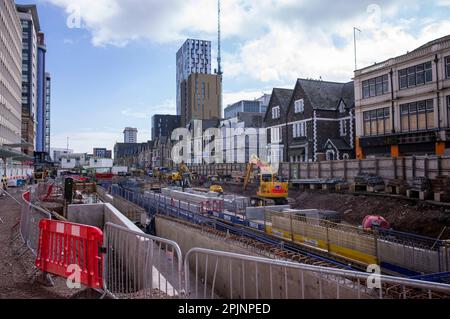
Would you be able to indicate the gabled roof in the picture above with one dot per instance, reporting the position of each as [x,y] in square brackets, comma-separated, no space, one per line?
[284,98]
[327,95]
[340,144]
[348,94]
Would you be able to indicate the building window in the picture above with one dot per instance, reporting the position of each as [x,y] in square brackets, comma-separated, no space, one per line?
[276,112]
[343,127]
[376,86]
[417,116]
[299,130]
[276,135]
[377,122]
[416,75]
[448,110]
[299,106]
[447,67]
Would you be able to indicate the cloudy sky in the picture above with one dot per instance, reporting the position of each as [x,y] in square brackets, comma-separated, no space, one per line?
[113,61]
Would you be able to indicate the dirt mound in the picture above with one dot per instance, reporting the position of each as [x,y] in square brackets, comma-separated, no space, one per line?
[404,215]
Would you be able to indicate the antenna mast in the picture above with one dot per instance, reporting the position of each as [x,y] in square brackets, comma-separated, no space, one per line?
[354,41]
[219,49]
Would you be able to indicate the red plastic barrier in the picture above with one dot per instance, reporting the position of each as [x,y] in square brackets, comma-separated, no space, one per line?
[26,196]
[63,244]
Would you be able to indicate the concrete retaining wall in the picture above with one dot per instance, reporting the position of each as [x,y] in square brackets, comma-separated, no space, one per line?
[98,215]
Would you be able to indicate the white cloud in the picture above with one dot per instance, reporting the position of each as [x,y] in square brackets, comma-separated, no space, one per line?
[277,40]
[287,52]
[271,41]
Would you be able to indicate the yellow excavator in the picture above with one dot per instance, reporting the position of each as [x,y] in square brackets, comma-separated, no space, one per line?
[271,187]
[182,177]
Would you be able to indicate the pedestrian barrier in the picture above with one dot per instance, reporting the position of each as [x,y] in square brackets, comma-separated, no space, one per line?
[139,266]
[233,276]
[30,218]
[62,245]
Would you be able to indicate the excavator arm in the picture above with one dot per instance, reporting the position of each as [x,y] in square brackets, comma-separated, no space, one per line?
[248,173]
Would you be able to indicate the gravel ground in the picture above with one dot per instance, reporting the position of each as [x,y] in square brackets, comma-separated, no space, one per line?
[15,272]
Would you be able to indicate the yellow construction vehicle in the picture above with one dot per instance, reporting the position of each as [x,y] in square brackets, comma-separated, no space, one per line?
[181,177]
[216,189]
[271,187]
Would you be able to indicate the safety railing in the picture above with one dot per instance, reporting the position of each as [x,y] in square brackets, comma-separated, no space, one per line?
[28,227]
[46,191]
[139,266]
[226,275]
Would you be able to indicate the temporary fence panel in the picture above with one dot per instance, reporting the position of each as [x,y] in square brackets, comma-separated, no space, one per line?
[30,218]
[63,244]
[226,275]
[139,266]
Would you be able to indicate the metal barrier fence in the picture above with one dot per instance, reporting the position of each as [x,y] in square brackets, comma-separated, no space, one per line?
[139,266]
[46,191]
[154,203]
[30,218]
[395,251]
[233,276]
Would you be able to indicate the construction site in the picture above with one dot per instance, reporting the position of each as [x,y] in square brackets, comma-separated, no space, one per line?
[249,235]
[328,190]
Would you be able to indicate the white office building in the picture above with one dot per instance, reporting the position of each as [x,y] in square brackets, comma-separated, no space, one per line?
[10,74]
[130,135]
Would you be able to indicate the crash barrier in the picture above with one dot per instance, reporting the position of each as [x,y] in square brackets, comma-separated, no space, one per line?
[398,252]
[139,266]
[30,218]
[217,274]
[67,249]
